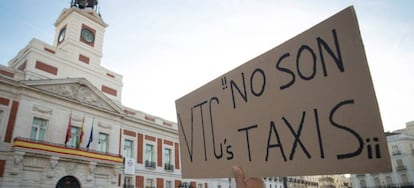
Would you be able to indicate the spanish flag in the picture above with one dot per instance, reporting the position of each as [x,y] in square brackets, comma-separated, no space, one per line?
[81,131]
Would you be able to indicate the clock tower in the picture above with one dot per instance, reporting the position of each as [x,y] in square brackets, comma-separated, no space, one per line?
[80,31]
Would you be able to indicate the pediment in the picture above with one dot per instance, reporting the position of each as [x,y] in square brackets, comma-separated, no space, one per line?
[76,89]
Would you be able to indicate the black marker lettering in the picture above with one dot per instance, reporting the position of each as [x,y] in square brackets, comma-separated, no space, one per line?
[243,95]
[218,156]
[318,129]
[369,149]
[301,49]
[278,144]
[229,151]
[202,125]
[355,134]
[190,151]
[337,58]
[247,138]
[286,70]
[259,93]
[297,137]
[377,149]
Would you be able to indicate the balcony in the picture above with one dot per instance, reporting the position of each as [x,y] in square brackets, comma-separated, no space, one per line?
[150,164]
[168,167]
[401,168]
[394,153]
[44,147]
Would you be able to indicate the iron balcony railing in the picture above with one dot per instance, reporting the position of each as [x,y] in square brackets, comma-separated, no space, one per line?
[401,167]
[149,164]
[168,167]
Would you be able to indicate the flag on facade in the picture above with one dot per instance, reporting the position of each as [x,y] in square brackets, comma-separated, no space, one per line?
[81,131]
[68,131]
[90,135]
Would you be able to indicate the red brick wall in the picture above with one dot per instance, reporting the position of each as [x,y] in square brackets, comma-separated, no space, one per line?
[150,138]
[2,166]
[177,183]
[177,156]
[129,133]
[11,123]
[47,68]
[4,101]
[83,58]
[109,90]
[167,142]
[140,148]
[160,183]
[139,181]
[159,151]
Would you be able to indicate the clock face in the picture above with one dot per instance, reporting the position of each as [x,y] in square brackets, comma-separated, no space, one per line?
[87,35]
[62,34]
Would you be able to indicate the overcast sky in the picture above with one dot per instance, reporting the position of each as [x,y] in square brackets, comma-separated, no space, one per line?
[168,48]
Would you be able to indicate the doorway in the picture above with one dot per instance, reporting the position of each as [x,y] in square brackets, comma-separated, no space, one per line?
[68,182]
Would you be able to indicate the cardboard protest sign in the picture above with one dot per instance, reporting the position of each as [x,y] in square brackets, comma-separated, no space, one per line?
[306,107]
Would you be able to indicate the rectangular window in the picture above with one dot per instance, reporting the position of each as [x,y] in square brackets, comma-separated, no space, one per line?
[38,129]
[128,148]
[395,150]
[399,163]
[128,182]
[103,141]
[389,180]
[199,185]
[404,179]
[168,184]
[74,136]
[149,183]
[149,156]
[167,155]
[168,159]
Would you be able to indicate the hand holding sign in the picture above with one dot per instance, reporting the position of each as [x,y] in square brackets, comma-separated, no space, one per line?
[243,182]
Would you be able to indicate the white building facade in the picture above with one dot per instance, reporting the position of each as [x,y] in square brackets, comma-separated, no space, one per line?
[401,148]
[62,123]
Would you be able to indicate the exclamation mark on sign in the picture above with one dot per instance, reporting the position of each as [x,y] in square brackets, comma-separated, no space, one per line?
[224,83]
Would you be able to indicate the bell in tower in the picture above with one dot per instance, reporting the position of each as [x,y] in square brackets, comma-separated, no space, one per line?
[84,3]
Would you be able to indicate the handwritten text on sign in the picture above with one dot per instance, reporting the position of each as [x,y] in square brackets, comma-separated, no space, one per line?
[306,107]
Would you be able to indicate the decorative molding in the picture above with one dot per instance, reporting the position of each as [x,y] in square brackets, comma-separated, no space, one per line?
[92,168]
[77,118]
[104,125]
[71,168]
[17,164]
[42,109]
[53,163]
[78,92]
[115,171]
